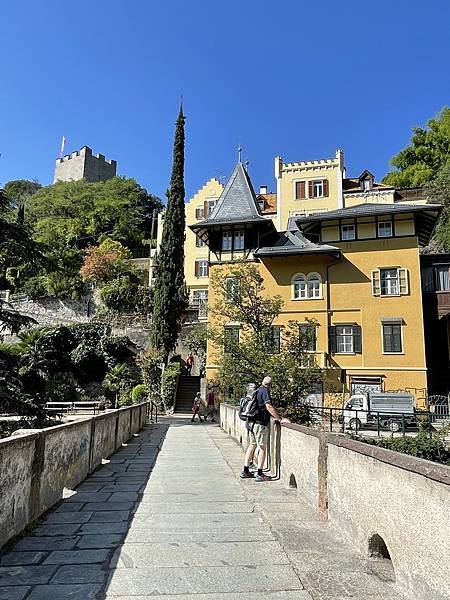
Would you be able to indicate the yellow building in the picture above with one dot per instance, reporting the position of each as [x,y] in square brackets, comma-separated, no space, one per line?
[343,252]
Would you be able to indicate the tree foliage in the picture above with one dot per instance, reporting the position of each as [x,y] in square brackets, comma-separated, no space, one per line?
[254,355]
[104,262]
[170,295]
[20,190]
[428,152]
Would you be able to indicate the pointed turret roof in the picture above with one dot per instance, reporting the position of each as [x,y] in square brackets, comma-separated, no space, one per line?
[237,203]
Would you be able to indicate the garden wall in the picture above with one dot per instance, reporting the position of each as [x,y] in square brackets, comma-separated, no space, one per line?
[36,467]
[363,490]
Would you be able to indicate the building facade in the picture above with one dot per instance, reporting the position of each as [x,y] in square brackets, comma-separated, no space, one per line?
[343,253]
[82,164]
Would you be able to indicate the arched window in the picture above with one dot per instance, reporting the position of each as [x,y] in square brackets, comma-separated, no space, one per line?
[299,286]
[314,285]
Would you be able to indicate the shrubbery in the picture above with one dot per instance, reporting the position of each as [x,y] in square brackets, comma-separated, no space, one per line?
[427,445]
[169,382]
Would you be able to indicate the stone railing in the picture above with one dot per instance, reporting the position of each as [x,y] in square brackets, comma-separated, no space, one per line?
[36,467]
[366,491]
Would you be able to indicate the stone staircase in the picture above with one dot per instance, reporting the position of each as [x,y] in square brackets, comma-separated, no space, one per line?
[188,386]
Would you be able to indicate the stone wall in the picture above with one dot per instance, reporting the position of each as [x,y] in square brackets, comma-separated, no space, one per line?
[36,467]
[364,490]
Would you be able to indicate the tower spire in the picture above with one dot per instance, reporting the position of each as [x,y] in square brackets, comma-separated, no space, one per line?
[239,153]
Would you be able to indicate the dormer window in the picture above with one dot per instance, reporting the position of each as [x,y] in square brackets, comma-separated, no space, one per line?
[366,181]
[367,185]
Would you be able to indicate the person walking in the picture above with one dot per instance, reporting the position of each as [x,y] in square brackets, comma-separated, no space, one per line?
[190,363]
[258,429]
[211,405]
[196,406]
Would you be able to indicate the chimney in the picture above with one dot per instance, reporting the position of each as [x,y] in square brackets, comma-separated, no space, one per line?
[263,189]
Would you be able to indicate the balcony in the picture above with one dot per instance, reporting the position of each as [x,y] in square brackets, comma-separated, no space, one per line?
[443,303]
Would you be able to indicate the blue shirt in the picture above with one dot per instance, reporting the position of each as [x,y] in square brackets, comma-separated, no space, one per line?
[263,397]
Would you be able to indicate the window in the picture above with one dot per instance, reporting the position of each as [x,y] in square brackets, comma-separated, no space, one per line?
[308,340]
[232,289]
[367,185]
[231,337]
[299,284]
[428,279]
[348,232]
[391,281]
[226,240]
[201,268]
[209,207]
[199,297]
[345,339]
[318,188]
[199,242]
[392,338]
[385,229]
[306,287]
[200,213]
[239,240]
[274,339]
[300,190]
[442,279]
[313,285]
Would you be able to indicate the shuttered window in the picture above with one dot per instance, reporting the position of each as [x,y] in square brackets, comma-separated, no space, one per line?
[300,190]
[318,188]
[274,339]
[308,338]
[345,339]
[392,337]
[230,338]
[199,242]
[200,213]
[390,282]
[201,268]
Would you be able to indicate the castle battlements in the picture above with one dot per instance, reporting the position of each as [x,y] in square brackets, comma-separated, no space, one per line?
[82,164]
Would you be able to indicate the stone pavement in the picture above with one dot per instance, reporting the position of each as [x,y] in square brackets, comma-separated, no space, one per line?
[180,523]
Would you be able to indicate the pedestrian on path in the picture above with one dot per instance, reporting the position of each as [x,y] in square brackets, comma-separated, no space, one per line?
[190,363]
[258,429]
[211,406]
[196,406]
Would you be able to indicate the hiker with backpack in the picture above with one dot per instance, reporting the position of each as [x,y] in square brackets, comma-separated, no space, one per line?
[256,409]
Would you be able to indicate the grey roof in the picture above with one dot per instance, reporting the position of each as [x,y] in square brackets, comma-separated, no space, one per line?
[237,202]
[294,242]
[366,209]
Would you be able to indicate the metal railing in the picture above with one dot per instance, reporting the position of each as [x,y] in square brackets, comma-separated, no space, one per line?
[334,420]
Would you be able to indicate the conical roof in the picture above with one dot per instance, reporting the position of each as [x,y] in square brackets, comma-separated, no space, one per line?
[237,202]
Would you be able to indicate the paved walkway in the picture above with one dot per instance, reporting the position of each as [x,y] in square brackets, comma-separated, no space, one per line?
[182,524]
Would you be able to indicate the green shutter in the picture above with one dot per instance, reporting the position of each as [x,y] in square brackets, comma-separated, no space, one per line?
[332,339]
[357,339]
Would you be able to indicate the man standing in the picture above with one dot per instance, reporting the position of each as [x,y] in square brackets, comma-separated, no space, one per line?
[258,428]
[211,405]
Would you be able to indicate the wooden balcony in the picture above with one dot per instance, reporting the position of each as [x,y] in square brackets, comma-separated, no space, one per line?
[443,303]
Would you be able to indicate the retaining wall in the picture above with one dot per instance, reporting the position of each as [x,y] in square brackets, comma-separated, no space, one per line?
[364,490]
[36,467]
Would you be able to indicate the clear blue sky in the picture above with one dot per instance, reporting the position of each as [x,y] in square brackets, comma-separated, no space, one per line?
[294,78]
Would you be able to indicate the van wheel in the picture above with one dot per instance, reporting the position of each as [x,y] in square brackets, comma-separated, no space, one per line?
[355,424]
[395,426]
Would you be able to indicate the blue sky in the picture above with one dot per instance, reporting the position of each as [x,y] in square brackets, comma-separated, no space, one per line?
[294,78]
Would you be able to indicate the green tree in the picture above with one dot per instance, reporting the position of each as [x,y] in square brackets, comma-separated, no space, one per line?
[256,352]
[170,295]
[20,190]
[428,152]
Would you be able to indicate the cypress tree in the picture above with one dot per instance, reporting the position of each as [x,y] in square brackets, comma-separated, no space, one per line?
[170,298]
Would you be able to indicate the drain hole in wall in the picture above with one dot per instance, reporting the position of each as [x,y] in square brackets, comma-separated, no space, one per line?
[381,563]
[292,481]
[378,548]
[240,440]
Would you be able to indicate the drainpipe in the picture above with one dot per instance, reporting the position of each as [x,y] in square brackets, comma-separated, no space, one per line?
[329,306]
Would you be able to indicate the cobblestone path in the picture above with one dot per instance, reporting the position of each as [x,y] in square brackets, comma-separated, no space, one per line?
[168,515]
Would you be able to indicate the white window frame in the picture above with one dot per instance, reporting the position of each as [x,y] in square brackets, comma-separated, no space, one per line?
[227,241]
[317,184]
[303,294]
[199,297]
[317,291]
[347,347]
[345,229]
[239,239]
[202,268]
[380,225]
[211,204]
[367,184]
[402,278]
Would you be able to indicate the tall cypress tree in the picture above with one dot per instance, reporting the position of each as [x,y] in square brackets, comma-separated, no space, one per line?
[170,298]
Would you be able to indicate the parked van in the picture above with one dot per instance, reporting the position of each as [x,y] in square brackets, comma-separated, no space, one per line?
[388,409]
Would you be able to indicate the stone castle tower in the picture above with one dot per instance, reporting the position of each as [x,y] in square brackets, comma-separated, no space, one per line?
[83,164]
